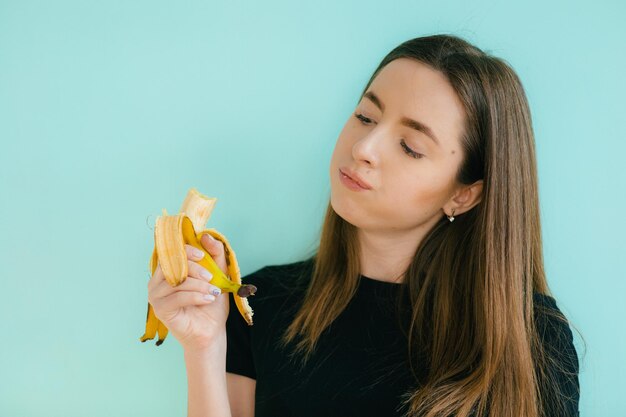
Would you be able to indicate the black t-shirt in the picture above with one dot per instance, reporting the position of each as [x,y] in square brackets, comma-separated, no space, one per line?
[360,366]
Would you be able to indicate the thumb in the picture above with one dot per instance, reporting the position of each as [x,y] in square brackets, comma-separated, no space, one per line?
[215,248]
[209,243]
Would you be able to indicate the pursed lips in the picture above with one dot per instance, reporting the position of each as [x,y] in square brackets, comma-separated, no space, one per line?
[354,177]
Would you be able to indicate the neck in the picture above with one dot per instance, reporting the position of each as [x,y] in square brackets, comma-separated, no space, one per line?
[385,256]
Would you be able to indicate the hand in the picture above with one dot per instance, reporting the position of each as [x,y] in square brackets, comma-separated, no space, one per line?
[190,317]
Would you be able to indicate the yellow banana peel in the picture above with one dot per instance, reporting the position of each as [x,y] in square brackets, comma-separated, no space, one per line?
[171,234]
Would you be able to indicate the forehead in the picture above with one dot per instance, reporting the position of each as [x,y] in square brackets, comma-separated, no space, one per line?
[408,88]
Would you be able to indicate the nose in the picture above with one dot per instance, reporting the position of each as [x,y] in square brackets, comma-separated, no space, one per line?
[367,148]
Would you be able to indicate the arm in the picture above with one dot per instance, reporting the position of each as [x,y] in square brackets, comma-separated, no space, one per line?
[241,393]
[240,369]
[214,392]
[206,381]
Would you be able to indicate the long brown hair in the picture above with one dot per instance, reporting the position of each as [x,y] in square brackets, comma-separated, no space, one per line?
[470,282]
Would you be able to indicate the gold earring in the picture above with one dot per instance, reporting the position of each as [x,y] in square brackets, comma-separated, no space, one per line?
[451,217]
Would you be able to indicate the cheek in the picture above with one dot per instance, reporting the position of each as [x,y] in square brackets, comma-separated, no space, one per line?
[417,195]
[341,152]
[346,137]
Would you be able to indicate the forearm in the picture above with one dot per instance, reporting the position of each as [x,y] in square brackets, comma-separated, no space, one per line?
[206,381]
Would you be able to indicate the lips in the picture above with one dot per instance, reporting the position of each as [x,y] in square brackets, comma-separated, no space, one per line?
[355,177]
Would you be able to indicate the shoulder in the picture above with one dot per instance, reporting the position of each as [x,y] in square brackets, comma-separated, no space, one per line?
[550,321]
[552,327]
[544,301]
[557,361]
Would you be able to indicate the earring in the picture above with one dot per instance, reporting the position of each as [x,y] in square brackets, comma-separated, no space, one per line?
[451,217]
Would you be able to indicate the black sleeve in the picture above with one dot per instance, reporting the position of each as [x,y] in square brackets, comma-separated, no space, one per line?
[558,382]
[239,359]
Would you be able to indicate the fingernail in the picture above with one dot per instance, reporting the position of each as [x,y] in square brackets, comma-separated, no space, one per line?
[205,274]
[209,297]
[217,292]
[198,253]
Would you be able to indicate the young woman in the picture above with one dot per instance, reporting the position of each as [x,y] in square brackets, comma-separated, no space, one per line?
[427,295]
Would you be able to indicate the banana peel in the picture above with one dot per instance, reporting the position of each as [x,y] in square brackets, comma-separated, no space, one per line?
[171,234]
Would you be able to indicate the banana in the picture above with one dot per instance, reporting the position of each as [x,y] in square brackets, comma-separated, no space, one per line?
[171,234]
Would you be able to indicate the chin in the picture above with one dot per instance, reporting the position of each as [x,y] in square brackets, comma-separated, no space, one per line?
[346,209]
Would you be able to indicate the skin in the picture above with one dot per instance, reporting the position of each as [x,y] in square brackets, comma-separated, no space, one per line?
[408,196]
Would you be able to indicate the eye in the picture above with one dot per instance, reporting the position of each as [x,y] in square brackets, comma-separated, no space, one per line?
[410,151]
[364,120]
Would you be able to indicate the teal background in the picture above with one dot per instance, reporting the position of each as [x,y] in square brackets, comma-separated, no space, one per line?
[110,111]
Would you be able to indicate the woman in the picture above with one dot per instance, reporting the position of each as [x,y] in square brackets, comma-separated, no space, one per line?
[427,295]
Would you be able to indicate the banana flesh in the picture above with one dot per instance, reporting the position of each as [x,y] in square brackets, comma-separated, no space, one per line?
[172,232]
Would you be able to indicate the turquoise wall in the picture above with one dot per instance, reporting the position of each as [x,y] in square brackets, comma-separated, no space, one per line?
[111,110]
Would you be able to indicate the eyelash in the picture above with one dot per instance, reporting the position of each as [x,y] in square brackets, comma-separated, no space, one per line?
[406,149]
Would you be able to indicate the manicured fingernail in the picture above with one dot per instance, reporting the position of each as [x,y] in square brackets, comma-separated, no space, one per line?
[217,292]
[205,274]
[198,253]
[209,297]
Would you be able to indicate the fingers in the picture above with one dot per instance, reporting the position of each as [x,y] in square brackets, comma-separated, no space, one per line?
[215,248]
[157,278]
[212,245]
[198,271]
[195,287]
[191,284]
[197,280]
[193,254]
[180,299]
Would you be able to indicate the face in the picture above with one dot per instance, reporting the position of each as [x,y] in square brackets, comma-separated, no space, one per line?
[412,176]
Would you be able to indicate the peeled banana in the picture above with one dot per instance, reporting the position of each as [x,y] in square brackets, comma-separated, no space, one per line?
[171,234]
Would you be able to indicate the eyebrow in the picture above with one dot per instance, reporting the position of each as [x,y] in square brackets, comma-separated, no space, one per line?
[405,121]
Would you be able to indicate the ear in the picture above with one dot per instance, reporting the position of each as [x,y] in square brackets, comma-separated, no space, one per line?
[465,198]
